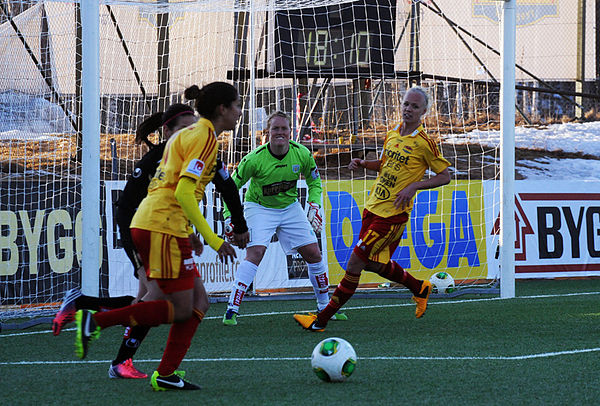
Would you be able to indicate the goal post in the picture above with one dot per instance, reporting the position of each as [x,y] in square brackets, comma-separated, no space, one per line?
[339,69]
[90,157]
[507,151]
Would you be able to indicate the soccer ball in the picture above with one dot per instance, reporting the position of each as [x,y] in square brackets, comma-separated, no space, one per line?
[333,359]
[442,282]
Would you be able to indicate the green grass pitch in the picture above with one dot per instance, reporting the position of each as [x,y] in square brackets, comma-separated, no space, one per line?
[541,348]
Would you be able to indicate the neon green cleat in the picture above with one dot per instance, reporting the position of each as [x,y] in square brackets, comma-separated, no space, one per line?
[230,318]
[87,331]
[339,316]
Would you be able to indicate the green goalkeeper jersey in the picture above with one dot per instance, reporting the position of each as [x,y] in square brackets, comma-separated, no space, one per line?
[273,178]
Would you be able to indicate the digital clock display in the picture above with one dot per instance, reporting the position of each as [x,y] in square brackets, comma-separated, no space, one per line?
[339,40]
[328,49]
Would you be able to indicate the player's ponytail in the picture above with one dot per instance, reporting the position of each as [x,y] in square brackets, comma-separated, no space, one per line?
[147,127]
[157,120]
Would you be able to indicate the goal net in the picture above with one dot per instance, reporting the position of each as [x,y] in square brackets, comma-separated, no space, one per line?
[339,69]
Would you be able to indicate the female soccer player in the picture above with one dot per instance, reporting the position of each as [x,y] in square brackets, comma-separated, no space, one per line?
[176,117]
[407,153]
[271,207]
[160,232]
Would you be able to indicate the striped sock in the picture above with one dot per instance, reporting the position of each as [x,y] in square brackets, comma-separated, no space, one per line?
[396,273]
[343,292]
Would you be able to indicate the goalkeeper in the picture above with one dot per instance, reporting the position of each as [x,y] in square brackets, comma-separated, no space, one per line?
[271,207]
[408,152]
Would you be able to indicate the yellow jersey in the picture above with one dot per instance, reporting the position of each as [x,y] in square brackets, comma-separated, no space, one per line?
[191,152]
[404,160]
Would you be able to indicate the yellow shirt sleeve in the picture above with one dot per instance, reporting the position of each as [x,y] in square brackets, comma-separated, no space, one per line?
[184,193]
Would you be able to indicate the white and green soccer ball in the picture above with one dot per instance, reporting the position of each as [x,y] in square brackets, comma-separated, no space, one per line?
[333,360]
[442,282]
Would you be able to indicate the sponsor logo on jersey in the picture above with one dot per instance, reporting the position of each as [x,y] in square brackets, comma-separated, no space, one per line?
[407,149]
[278,187]
[295,168]
[195,167]
[381,192]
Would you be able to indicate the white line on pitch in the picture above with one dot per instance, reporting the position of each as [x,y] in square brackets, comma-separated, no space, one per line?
[431,303]
[389,358]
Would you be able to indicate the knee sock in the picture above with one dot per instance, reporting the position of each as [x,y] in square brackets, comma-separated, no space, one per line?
[394,272]
[178,343]
[151,314]
[317,273]
[102,303]
[341,295]
[132,339]
[243,278]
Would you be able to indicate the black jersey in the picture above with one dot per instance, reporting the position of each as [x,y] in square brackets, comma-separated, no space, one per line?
[137,185]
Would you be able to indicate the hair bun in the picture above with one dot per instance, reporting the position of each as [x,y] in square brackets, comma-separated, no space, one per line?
[192,92]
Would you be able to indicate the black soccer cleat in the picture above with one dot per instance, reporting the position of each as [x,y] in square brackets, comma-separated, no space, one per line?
[171,382]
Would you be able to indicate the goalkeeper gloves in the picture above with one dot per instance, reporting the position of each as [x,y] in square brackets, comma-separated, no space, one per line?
[228,230]
[314,217]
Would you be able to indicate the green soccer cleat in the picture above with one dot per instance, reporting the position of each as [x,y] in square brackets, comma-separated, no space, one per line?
[339,316]
[87,331]
[230,318]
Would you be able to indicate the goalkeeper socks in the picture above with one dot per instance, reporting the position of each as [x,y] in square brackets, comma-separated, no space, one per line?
[132,339]
[317,273]
[178,343]
[102,303]
[151,313]
[341,295]
[396,273]
[243,278]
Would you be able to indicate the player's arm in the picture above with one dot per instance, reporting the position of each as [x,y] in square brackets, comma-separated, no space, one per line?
[404,196]
[315,190]
[185,196]
[230,194]
[240,177]
[373,164]
[434,161]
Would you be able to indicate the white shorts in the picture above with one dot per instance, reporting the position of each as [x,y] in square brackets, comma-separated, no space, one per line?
[290,224]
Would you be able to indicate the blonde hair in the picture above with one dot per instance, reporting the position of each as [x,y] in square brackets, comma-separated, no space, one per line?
[422,92]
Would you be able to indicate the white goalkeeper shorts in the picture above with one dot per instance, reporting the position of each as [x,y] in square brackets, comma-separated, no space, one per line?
[289,224]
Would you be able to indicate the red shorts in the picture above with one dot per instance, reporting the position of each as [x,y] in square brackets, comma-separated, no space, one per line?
[379,236]
[167,259]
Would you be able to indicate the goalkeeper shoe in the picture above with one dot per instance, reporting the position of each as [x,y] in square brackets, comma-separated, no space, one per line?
[339,316]
[66,312]
[171,382]
[87,331]
[421,299]
[308,322]
[125,370]
[230,318]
